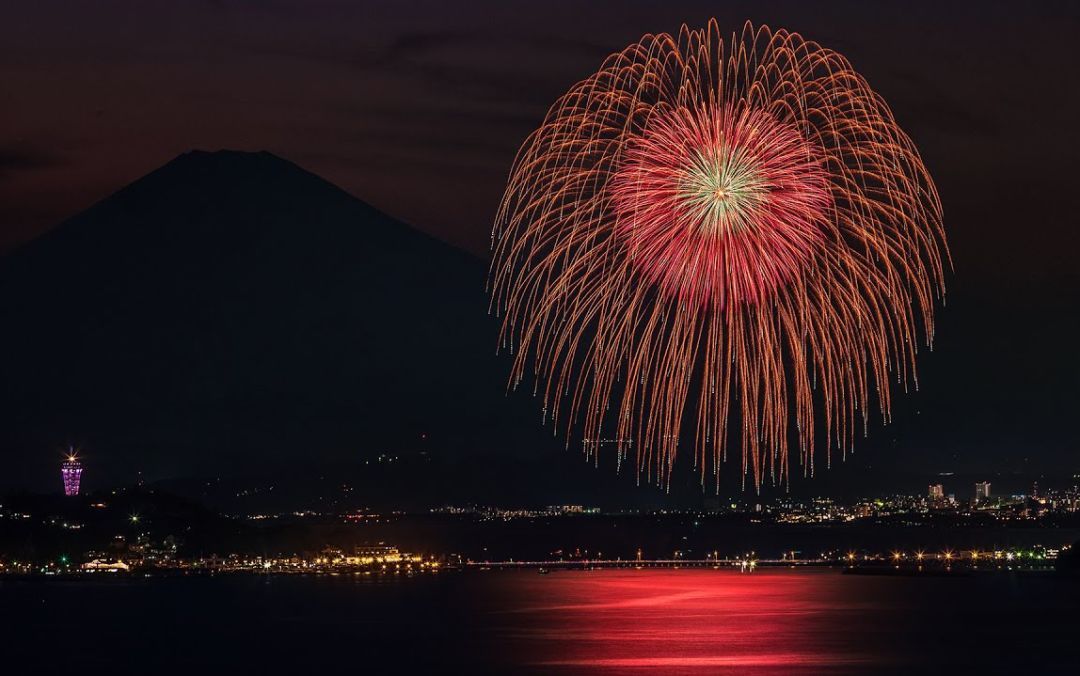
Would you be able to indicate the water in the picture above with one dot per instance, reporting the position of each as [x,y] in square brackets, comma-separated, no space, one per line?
[589,622]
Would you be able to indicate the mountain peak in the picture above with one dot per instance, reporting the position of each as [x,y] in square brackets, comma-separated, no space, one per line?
[232,302]
[224,199]
[231,170]
[232,158]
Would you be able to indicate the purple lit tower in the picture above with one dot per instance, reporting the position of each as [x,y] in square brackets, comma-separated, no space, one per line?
[71,470]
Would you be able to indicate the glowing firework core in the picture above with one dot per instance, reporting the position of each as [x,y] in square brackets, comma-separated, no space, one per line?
[719,205]
[719,187]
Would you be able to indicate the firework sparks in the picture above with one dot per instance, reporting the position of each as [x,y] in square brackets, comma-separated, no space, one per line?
[710,240]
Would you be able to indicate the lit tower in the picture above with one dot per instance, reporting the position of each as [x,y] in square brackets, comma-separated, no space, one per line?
[71,470]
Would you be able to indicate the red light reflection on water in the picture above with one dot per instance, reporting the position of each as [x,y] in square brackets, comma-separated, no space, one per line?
[687,621]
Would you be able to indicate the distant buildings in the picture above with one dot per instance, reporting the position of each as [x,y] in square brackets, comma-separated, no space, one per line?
[491,513]
[71,471]
[365,556]
[106,564]
[937,492]
[568,509]
[982,491]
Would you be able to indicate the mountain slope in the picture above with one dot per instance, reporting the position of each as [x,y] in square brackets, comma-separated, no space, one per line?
[230,303]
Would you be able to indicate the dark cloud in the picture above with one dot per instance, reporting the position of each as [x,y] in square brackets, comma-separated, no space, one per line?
[411,45]
[17,157]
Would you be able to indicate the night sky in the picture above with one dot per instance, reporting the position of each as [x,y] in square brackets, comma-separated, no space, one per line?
[419,107]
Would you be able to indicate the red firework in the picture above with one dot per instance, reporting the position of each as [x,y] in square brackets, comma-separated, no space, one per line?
[710,235]
[718,205]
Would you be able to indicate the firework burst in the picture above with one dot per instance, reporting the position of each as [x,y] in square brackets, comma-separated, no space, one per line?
[714,242]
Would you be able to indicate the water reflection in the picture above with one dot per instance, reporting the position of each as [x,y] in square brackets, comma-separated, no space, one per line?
[671,620]
[568,622]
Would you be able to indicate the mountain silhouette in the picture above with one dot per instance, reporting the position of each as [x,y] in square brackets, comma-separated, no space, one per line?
[231,312]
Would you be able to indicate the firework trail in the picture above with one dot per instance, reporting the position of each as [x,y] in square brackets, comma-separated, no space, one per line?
[718,242]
